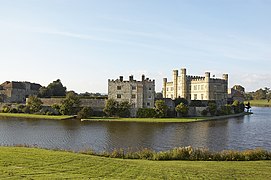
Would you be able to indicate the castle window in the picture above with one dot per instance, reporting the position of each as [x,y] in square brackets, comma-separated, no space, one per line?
[133,96]
[171,88]
[118,96]
[150,89]
[195,87]
[198,87]
[118,87]
[167,89]
[150,97]
[195,96]
[201,87]
[133,87]
[148,104]
[202,96]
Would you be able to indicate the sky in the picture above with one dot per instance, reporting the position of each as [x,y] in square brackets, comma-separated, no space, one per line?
[86,42]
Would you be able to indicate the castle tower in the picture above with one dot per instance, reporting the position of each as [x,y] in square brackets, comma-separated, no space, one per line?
[207,80]
[226,78]
[183,83]
[164,87]
[175,84]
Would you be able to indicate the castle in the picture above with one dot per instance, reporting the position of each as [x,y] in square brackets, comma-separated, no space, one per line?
[196,87]
[141,94]
[17,92]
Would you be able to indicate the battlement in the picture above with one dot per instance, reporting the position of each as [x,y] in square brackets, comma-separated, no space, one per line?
[131,79]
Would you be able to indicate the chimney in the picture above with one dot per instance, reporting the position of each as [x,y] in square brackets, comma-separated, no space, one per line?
[131,78]
[143,77]
[121,78]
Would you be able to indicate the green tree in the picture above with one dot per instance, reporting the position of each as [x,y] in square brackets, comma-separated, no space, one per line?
[177,101]
[70,104]
[146,113]
[212,108]
[34,104]
[123,109]
[84,113]
[55,88]
[160,108]
[182,109]
[260,94]
[110,107]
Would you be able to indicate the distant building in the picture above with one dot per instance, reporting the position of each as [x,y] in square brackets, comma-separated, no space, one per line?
[141,94]
[17,92]
[196,87]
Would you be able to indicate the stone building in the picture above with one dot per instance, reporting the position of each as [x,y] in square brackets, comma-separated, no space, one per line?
[17,92]
[141,94]
[196,87]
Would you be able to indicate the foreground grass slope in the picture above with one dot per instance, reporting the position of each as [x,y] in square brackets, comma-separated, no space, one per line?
[19,163]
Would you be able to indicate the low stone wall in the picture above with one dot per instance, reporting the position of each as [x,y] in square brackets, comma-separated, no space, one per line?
[95,104]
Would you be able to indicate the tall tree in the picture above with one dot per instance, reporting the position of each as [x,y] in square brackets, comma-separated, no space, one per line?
[55,88]
[70,104]
[182,109]
[160,108]
[34,104]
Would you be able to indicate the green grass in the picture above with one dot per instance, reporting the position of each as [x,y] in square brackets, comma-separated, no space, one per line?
[259,103]
[167,120]
[29,163]
[34,116]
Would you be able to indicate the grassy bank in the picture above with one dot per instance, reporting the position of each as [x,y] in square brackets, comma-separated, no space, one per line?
[259,103]
[18,163]
[165,120]
[34,116]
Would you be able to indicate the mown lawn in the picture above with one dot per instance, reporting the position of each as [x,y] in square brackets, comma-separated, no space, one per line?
[29,163]
[34,116]
[260,103]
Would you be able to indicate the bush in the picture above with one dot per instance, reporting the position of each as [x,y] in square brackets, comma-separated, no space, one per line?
[6,109]
[196,103]
[204,112]
[84,113]
[146,113]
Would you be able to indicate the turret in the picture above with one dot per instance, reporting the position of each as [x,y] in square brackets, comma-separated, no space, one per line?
[175,83]
[165,87]
[207,80]
[183,84]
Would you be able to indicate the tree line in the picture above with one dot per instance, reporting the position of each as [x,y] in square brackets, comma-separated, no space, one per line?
[260,94]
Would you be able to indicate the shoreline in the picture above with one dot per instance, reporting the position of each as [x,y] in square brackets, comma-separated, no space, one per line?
[166,120]
[34,116]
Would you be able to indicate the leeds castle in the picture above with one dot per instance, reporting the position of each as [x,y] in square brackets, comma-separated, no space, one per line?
[196,87]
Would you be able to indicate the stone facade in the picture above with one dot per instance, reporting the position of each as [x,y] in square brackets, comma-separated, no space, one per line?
[141,94]
[196,87]
[17,92]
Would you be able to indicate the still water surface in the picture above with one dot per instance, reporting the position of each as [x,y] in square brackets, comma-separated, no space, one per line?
[247,132]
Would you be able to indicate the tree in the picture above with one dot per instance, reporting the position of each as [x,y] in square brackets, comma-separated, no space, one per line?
[123,109]
[238,107]
[34,104]
[160,108]
[182,109]
[85,112]
[260,94]
[146,113]
[110,107]
[114,108]
[212,108]
[55,88]
[70,104]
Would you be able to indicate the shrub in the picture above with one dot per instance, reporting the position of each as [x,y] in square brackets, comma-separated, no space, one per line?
[204,112]
[196,103]
[145,113]
[6,109]
[85,112]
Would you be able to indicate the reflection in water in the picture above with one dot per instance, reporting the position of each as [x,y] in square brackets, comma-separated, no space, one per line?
[235,133]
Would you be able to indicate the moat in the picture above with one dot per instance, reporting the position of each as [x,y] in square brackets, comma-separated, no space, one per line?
[248,132]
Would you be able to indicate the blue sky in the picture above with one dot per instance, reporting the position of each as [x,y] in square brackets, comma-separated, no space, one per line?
[86,42]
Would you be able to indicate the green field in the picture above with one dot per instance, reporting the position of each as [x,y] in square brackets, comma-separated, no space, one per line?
[259,103]
[34,116]
[168,120]
[29,163]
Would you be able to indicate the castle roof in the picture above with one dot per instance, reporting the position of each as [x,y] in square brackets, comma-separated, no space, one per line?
[19,85]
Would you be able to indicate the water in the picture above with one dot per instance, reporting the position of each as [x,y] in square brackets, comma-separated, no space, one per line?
[247,132]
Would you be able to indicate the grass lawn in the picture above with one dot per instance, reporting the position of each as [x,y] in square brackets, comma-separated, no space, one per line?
[29,163]
[168,120]
[260,103]
[34,116]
